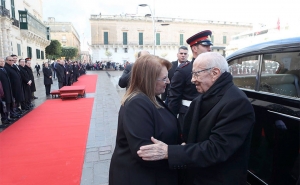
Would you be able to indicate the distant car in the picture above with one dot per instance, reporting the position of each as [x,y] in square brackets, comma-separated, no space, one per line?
[269,74]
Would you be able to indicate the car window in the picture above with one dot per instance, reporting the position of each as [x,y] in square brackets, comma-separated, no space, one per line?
[281,73]
[244,71]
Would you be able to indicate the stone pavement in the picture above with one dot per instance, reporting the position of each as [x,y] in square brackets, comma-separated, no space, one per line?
[103,129]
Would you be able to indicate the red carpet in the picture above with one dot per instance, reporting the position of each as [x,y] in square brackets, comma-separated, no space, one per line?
[89,81]
[46,146]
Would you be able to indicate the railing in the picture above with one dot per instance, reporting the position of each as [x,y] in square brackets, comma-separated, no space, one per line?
[163,19]
[16,23]
[33,25]
[4,12]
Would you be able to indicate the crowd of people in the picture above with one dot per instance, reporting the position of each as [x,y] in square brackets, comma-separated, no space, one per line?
[199,132]
[17,84]
[17,88]
[104,66]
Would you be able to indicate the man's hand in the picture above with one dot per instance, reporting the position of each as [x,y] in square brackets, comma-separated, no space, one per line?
[154,152]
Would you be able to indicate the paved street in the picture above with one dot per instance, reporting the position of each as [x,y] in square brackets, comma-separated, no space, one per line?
[103,125]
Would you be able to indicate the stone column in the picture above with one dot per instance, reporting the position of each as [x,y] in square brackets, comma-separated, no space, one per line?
[1,44]
[9,43]
[5,42]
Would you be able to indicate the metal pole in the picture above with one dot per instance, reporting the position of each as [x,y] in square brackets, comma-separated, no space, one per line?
[154,34]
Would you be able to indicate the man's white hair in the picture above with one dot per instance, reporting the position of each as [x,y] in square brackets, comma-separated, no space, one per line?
[213,59]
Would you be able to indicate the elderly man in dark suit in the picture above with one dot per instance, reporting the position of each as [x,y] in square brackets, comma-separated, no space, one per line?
[26,85]
[217,129]
[124,79]
[8,97]
[182,57]
[30,72]
[16,85]
[47,78]
[60,73]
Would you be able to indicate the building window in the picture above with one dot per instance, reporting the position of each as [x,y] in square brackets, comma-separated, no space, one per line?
[125,50]
[29,52]
[42,54]
[116,50]
[3,3]
[13,15]
[38,54]
[224,39]
[141,38]
[106,38]
[19,49]
[64,38]
[181,39]
[157,38]
[124,38]
[212,39]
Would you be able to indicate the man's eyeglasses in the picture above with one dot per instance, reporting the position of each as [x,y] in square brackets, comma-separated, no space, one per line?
[165,79]
[183,53]
[196,74]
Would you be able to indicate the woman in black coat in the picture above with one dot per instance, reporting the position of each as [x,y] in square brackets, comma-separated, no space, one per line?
[141,116]
[47,78]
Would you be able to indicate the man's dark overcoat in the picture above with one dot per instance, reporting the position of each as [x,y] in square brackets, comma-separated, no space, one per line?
[8,97]
[16,82]
[60,72]
[125,78]
[29,71]
[25,79]
[217,130]
[47,73]
[170,75]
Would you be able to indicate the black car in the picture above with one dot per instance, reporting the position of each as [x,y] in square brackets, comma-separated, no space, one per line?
[269,74]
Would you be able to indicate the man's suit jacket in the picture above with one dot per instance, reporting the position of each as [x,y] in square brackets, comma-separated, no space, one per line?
[4,78]
[170,75]
[125,78]
[16,82]
[60,70]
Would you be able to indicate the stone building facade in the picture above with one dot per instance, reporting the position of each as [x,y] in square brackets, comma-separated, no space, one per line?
[64,32]
[124,36]
[22,31]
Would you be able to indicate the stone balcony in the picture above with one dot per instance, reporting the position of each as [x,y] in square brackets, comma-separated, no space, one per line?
[4,12]
[33,29]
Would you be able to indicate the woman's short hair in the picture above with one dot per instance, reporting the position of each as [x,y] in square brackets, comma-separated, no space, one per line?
[143,77]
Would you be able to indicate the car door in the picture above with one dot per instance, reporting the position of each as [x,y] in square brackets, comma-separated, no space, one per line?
[271,84]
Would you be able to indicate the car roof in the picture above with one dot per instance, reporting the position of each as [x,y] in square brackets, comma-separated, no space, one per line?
[278,46]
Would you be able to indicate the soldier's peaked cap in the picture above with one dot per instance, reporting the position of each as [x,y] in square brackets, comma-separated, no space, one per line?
[202,38]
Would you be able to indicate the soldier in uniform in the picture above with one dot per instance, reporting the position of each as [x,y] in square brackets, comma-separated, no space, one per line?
[182,90]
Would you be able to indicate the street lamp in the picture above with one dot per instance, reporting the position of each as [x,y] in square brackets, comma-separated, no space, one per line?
[153,24]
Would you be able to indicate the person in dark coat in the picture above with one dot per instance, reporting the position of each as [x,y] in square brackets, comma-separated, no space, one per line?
[75,71]
[217,129]
[16,85]
[60,73]
[53,67]
[8,96]
[37,68]
[47,78]
[124,79]
[182,56]
[30,72]
[142,115]
[67,73]
[182,90]
[26,80]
